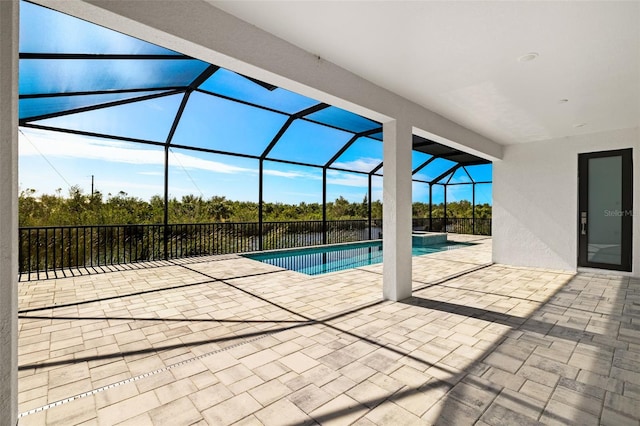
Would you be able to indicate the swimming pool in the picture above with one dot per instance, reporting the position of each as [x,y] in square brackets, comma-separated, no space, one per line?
[320,260]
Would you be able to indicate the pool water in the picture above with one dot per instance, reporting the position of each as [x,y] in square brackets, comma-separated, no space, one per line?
[320,260]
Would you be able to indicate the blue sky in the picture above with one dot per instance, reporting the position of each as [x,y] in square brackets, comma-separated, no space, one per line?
[49,161]
[52,160]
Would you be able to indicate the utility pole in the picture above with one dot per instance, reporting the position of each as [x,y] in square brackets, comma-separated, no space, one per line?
[91,185]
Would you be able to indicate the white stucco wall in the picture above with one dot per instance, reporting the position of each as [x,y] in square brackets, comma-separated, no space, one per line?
[535,199]
[8,213]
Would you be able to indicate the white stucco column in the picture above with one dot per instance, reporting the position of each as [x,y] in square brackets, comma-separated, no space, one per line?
[8,212]
[396,227]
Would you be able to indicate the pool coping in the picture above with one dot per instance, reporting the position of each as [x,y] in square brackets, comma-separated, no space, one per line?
[293,249]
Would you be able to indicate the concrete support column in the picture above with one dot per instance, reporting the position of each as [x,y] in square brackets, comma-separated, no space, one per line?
[397,199]
[9,212]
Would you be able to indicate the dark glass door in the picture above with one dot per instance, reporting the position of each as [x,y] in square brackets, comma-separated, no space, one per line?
[605,209]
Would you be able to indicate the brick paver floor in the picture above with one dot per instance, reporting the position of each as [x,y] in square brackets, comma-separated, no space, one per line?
[227,340]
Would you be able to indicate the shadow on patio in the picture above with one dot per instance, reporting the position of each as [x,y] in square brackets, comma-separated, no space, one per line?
[571,361]
[487,344]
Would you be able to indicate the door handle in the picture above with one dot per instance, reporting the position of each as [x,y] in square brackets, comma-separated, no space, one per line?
[583,223]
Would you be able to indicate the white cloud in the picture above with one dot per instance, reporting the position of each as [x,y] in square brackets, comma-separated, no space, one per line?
[359,181]
[34,143]
[335,177]
[364,164]
[60,146]
[292,174]
[49,144]
[280,173]
[191,162]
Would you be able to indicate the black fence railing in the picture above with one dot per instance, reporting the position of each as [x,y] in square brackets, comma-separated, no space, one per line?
[456,225]
[51,248]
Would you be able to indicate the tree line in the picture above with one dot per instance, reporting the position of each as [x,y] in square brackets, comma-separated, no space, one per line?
[95,209]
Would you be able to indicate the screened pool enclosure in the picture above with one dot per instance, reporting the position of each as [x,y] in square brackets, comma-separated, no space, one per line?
[96,92]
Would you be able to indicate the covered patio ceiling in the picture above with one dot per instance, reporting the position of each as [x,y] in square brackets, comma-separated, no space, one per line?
[514,72]
[109,85]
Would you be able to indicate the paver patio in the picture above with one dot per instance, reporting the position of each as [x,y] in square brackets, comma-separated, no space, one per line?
[227,340]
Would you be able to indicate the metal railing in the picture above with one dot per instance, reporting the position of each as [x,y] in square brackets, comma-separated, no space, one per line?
[51,248]
[464,225]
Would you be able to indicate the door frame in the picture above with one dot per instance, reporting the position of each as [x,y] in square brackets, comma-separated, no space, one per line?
[627,209]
